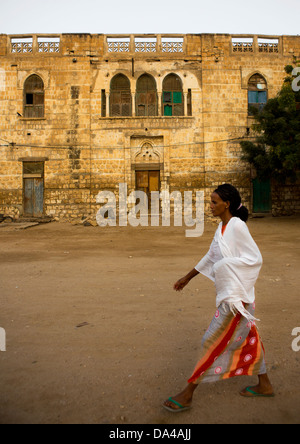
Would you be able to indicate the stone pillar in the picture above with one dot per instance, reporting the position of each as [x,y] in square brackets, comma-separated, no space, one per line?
[159,102]
[133,104]
[107,94]
[185,95]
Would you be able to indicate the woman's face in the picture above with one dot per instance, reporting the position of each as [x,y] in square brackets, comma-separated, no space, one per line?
[218,206]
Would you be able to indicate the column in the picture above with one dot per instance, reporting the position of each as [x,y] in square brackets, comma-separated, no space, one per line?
[185,95]
[107,93]
[133,104]
[159,101]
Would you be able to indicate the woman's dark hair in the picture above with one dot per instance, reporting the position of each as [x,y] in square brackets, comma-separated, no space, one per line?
[228,193]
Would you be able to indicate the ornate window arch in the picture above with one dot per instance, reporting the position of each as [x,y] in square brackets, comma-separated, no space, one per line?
[146,96]
[257,92]
[120,97]
[34,97]
[173,104]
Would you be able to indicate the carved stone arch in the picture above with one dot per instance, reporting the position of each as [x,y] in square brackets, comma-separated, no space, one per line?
[173,74]
[33,75]
[257,74]
[147,154]
[150,77]
[248,74]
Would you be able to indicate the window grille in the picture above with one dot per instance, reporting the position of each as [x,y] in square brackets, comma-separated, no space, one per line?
[172,96]
[257,93]
[121,44]
[242,45]
[145,44]
[34,97]
[120,97]
[146,96]
[22,45]
[48,44]
[268,45]
[172,44]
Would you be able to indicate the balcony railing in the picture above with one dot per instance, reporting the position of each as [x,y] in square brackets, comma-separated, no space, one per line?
[35,44]
[255,44]
[141,44]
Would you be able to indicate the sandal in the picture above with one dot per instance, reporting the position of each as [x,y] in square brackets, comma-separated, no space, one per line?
[255,394]
[180,409]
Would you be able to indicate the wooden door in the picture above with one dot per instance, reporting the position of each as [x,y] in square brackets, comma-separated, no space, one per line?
[33,197]
[148,181]
[261,196]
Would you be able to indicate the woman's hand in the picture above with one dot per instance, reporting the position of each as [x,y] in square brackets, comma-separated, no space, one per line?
[181,284]
[185,280]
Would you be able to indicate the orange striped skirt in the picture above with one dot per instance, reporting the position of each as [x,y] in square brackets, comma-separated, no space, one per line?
[230,347]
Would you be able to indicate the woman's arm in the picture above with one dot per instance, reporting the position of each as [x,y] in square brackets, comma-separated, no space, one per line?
[185,280]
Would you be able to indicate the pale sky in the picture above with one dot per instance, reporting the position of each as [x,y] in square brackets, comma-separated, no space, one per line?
[268,17]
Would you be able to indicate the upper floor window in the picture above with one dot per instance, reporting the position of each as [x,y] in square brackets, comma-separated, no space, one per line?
[257,93]
[146,96]
[120,97]
[172,96]
[34,97]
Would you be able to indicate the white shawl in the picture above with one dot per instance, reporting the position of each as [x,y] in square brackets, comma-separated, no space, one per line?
[233,263]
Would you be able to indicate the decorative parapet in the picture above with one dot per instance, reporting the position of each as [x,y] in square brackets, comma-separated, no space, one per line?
[135,44]
[255,44]
[138,45]
[35,44]
[22,45]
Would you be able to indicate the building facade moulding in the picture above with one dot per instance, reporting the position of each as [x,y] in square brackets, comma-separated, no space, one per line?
[23,75]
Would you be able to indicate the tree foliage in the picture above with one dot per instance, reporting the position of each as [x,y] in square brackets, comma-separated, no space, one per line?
[276,151]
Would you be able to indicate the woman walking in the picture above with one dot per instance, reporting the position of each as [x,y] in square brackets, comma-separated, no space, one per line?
[231,346]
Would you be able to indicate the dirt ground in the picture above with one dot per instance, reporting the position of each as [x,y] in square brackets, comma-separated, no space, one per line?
[96,334]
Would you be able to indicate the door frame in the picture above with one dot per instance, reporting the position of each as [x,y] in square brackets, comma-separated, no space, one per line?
[148,168]
[258,192]
[32,177]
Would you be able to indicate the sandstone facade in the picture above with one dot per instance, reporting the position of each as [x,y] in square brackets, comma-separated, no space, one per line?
[81,113]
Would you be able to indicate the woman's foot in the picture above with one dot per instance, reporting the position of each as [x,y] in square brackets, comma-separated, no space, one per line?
[183,400]
[263,388]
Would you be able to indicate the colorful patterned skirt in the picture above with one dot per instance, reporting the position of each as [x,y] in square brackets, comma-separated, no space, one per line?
[230,347]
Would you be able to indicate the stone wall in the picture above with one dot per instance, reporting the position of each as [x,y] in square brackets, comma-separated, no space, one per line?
[85,152]
[285,199]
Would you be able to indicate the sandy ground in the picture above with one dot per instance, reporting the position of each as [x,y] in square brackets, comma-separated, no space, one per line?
[96,334]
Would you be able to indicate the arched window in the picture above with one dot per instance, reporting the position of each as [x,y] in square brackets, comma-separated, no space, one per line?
[34,96]
[172,96]
[257,93]
[146,96]
[120,97]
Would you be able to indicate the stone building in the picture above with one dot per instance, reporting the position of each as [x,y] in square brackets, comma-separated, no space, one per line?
[81,113]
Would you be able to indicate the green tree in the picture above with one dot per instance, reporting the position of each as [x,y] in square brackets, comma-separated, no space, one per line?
[275,153]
